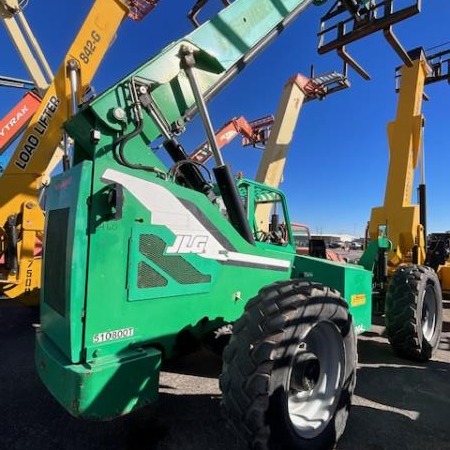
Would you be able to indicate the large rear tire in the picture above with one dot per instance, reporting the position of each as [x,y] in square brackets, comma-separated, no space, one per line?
[414,312]
[290,368]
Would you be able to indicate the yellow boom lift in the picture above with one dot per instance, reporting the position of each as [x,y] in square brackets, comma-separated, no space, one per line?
[21,217]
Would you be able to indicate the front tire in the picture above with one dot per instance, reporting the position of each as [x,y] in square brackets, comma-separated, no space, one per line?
[414,312]
[290,368]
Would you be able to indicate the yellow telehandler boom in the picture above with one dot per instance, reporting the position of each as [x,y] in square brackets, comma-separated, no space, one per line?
[21,218]
[398,213]
[298,90]
[406,288]
[399,219]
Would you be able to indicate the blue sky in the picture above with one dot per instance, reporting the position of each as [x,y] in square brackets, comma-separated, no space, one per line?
[337,165]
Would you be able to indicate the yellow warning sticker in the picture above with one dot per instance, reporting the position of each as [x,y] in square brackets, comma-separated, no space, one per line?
[358,299]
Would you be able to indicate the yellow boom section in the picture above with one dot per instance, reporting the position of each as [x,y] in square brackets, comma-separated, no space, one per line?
[270,170]
[20,181]
[405,144]
[26,44]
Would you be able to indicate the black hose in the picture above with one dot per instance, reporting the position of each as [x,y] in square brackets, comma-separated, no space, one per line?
[119,155]
[124,141]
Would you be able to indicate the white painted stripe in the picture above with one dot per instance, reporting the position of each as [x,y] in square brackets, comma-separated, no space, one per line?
[167,210]
[246,258]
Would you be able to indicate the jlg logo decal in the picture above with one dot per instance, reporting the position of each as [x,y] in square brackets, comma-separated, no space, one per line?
[187,243]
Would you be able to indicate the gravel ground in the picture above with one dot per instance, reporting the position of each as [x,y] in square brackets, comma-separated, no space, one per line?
[398,405]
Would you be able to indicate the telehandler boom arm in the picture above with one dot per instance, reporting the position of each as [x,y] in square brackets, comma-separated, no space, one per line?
[27,46]
[298,90]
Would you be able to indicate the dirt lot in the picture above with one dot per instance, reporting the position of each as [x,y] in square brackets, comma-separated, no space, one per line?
[397,406]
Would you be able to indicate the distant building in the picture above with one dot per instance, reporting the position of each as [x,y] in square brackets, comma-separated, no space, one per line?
[342,240]
[337,238]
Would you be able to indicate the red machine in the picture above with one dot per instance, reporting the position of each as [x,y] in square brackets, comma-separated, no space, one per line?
[16,120]
[253,133]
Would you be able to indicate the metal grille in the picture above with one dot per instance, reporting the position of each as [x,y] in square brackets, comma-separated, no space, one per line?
[140,8]
[55,260]
[148,277]
[176,266]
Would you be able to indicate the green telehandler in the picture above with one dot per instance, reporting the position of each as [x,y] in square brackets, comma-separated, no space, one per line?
[141,259]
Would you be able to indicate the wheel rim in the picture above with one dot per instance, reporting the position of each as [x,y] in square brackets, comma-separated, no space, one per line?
[429,308]
[315,380]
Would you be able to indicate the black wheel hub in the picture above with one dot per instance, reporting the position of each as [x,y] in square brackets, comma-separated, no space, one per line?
[305,372]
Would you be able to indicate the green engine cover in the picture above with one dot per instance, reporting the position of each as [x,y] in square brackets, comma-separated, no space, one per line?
[353,282]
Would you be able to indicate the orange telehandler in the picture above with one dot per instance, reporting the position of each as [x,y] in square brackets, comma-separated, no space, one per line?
[14,122]
[253,133]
